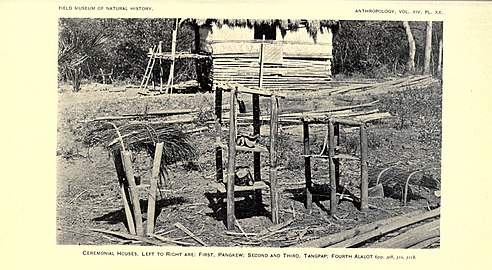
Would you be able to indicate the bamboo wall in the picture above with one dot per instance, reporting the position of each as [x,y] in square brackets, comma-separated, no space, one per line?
[292,62]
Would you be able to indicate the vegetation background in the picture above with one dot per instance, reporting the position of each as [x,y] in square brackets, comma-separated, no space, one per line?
[90,47]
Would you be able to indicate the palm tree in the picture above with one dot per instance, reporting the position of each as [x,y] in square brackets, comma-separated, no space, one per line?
[74,49]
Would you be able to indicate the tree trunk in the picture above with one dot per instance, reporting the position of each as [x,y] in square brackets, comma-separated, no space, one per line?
[439,62]
[428,48]
[411,47]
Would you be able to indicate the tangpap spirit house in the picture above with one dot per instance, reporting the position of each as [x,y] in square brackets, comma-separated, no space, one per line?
[297,53]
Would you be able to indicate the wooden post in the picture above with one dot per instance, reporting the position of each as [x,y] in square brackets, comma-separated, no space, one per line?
[170,80]
[219,170]
[331,154]
[256,120]
[161,69]
[130,176]
[364,173]
[232,163]
[153,187]
[120,172]
[307,167]
[273,157]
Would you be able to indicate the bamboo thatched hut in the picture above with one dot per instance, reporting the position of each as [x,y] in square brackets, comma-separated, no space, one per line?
[297,53]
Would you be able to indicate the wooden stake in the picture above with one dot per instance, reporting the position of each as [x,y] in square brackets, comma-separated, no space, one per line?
[307,167]
[273,157]
[153,187]
[364,172]
[120,172]
[133,192]
[231,163]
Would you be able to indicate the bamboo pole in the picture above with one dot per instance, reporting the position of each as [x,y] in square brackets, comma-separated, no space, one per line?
[133,192]
[273,158]
[333,182]
[153,188]
[386,229]
[344,235]
[411,237]
[120,172]
[364,173]
[307,167]
[231,163]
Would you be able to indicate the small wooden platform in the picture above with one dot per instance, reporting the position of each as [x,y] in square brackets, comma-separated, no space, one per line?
[257,185]
[258,148]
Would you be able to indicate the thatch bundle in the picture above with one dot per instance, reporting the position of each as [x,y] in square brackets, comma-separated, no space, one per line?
[142,136]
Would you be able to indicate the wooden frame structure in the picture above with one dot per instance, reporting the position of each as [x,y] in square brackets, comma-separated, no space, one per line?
[333,157]
[230,187]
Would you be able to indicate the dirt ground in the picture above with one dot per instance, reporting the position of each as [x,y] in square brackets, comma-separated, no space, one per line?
[88,193]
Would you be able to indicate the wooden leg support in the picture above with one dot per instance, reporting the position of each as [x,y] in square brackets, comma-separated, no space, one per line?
[231,164]
[307,168]
[125,195]
[333,181]
[364,174]
[137,213]
[153,188]
[273,158]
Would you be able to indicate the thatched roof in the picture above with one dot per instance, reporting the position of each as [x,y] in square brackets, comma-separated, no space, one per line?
[312,26]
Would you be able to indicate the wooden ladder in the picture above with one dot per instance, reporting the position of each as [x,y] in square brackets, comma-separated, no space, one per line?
[149,68]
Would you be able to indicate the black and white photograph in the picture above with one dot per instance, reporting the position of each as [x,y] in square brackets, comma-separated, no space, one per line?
[245,134]
[248,132]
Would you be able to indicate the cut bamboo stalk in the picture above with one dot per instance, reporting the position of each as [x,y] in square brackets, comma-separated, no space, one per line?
[411,237]
[137,214]
[386,229]
[344,235]
[153,187]
[120,172]
[274,228]
[165,239]
[190,233]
